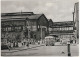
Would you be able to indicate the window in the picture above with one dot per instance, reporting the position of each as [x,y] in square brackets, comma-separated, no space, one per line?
[9,28]
[66,28]
[23,28]
[60,28]
[12,28]
[19,27]
[56,28]
[70,28]
[6,28]
[16,28]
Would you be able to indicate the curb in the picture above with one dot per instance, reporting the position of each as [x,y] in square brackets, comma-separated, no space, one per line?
[22,49]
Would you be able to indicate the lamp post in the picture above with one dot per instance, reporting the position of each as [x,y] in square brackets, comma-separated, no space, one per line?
[68,47]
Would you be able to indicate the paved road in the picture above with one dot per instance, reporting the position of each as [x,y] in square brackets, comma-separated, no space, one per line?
[48,51]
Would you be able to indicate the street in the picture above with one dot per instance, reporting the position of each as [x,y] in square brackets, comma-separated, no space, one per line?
[48,51]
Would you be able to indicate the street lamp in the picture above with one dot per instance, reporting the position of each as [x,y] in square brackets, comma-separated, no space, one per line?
[68,46]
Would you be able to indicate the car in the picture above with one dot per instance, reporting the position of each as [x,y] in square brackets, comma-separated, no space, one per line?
[49,41]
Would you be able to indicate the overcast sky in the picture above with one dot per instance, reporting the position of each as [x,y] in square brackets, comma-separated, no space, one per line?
[57,10]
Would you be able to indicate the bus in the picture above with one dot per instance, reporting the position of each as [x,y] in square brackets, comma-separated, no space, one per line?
[49,41]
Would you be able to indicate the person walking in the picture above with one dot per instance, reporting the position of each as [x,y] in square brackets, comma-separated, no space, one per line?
[38,42]
[9,46]
[27,44]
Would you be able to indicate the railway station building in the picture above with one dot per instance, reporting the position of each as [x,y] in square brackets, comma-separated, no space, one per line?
[21,26]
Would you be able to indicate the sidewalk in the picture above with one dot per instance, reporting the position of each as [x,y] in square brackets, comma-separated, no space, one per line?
[21,48]
[60,44]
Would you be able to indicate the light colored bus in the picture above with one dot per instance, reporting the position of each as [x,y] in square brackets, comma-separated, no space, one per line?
[49,41]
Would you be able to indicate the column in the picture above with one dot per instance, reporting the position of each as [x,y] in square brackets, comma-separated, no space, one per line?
[41,34]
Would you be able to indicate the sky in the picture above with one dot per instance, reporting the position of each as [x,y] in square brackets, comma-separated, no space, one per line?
[57,10]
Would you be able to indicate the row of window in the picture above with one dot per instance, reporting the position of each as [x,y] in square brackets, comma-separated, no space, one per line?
[12,28]
[29,23]
[65,36]
[19,28]
[65,28]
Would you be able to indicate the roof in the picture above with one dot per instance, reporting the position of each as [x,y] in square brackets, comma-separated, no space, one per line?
[11,19]
[36,16]
[62,24]
[33,16]
[16,13]
[50,20]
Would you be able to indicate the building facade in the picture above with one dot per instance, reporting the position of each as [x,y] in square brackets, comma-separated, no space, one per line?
[63,31]
[16,27]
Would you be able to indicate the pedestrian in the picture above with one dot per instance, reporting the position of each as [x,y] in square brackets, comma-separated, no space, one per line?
[27,44]
[22,44]
[9,46]
[38,42]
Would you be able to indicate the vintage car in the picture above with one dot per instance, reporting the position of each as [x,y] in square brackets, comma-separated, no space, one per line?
[49,41]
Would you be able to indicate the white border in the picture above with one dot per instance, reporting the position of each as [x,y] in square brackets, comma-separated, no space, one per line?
[35,56]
